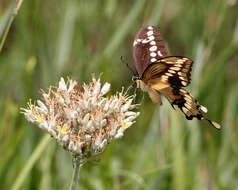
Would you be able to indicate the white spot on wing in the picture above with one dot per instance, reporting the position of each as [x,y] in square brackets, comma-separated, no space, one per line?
[187,99]
[169,74]
[137,41]
[204,109]
[145,41]
[149,33]
[171,71]
[185,110]
[183,91]
[184,83]
[180,61]
[188,104]
[134,43]
[153,54]
[152,43]
[186,95]
[150,38]
[153,60]
[153,48]
[182,78]
[164,78]
[160,54]
[175,68]
[150,28]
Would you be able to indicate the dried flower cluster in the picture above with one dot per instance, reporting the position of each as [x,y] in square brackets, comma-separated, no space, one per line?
[82,121]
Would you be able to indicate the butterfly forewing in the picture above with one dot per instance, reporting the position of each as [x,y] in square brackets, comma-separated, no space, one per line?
[173,70]
[148,47]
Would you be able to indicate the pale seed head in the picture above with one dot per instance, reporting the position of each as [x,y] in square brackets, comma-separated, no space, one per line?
[82,121]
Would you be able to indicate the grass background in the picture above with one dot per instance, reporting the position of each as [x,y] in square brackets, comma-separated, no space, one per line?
[163,150]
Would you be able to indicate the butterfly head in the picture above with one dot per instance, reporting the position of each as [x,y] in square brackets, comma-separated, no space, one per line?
[139,83]
[135,78]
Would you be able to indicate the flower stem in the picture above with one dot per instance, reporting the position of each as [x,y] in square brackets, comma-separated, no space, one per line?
[77,166]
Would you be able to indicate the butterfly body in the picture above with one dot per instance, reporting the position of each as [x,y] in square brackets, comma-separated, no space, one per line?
[162,74]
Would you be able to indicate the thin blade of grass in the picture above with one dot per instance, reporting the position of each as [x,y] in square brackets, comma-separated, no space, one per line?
[31,162]
[176,138]
[66,37]
[124,28]
[7,22]
[157,11]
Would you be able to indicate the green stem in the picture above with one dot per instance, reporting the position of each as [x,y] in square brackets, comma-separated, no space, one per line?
[9,22]
[76,173]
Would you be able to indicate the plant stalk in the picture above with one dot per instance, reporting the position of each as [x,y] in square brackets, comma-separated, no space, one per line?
[76,173]
[15,10]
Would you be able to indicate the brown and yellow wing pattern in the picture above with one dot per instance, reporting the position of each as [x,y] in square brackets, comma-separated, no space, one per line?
[160,73]
[174,70]
[158,80]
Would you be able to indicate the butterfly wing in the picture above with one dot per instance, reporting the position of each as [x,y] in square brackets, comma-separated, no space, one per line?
[148,47]
[158,76]
[181,98]
[167,76]
[174,70]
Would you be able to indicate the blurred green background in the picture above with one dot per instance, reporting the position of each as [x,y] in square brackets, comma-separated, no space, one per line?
[163,150]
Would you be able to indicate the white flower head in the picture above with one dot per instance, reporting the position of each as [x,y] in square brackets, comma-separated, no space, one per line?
[82,121]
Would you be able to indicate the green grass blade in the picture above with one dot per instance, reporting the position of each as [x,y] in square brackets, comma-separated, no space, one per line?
[31,162]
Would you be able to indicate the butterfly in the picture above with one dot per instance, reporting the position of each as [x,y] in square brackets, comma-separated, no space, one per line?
[158,73]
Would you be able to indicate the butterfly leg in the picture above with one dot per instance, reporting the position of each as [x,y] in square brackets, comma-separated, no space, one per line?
[154,96]
[143,96]
[130,87]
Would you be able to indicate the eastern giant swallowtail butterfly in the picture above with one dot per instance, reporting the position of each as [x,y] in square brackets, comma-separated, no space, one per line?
[159,73]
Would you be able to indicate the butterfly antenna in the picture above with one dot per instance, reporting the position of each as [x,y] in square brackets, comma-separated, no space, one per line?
[128,66]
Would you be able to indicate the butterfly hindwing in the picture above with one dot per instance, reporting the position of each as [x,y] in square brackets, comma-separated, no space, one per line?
[181,98]
[174,70]
[184,101]
[148,47]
